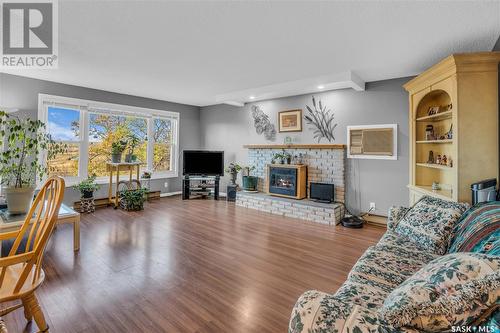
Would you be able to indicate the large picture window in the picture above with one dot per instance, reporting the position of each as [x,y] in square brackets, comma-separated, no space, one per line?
[89,128]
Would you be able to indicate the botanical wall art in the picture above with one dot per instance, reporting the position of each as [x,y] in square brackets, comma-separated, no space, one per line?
[263,124]
[322,120]
[290,121]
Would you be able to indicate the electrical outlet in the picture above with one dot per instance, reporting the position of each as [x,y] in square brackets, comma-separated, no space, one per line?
[372,206]
[166,184]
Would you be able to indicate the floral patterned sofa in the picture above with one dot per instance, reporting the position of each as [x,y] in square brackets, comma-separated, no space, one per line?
[381,269]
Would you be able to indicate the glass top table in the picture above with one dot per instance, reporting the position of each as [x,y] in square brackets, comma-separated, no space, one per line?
[66,215]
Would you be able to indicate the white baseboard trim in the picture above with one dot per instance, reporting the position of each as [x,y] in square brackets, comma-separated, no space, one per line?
[169,194]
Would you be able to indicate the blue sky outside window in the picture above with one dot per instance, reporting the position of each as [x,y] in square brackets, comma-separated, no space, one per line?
[63,124]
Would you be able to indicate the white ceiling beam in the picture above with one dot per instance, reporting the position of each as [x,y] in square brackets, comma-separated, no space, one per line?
[336,81]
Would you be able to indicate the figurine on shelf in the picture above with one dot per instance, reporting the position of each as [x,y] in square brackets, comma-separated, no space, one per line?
[449,134]
[432,110]
[435,186]
[444,160]
[450,162]
[446,108]
[430,160]
[438,159]
[429,133]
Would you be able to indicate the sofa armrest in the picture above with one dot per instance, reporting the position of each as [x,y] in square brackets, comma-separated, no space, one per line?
[317,312]
[394,215]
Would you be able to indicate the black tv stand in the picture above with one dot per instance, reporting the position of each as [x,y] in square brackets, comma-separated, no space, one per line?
[204,189]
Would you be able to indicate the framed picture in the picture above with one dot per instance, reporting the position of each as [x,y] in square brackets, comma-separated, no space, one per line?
[290,121]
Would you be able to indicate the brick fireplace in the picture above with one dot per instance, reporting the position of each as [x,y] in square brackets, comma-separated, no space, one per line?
[325,163]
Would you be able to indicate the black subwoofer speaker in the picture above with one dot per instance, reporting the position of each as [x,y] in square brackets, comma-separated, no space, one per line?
[231,193]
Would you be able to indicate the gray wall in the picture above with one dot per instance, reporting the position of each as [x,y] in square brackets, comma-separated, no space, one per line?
[22,93]
[384,182]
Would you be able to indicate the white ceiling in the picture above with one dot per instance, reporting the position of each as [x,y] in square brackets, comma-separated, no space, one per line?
[190,52]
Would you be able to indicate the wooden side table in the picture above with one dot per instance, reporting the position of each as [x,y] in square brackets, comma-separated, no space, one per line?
[117,167]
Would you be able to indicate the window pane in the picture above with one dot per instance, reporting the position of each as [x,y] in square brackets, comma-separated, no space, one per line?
[65,165]
[63,124]
[162,144]
[104,129]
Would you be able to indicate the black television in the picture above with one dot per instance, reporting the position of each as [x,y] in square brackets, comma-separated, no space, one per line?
[203,163]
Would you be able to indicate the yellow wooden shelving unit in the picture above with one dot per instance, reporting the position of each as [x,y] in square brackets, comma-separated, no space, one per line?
[469,82]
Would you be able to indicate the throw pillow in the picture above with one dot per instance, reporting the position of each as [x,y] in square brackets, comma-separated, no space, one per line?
[452,290]
[430,223]
[478,230]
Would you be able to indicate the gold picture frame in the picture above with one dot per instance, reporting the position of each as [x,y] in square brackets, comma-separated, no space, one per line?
[290,121]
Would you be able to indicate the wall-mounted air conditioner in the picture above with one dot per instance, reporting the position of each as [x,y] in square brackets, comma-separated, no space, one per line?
[373,141]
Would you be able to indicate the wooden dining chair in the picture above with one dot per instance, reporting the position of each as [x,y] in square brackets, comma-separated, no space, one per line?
[21,271]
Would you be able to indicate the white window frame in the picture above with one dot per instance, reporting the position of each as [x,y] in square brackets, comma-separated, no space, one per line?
[88,106]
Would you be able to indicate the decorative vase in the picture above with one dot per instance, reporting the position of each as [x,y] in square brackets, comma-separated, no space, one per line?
[250,183]
[282,161]
[116,157]
[289,160]
[18,199]
[128,158]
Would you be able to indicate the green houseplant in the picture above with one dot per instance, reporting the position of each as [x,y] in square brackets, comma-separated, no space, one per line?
[249,181]
[133,200]
[117,148]
[233,170]
[279,157]
[87,187]
[26,149]
[133,142]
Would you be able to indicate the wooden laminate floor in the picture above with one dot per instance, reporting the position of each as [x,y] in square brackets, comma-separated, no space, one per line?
[189,266]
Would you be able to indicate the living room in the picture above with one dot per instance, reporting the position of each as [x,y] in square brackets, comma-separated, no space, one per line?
[220,166]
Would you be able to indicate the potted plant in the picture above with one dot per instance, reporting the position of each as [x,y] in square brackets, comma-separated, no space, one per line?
[287,157]
[146,174]
[87,187]
[117,149]
[133,142]
[24,142]
[233,170]
[133,200]
[278,157]
[249,182]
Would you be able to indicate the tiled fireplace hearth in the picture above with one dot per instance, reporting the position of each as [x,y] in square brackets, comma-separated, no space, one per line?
[325,164]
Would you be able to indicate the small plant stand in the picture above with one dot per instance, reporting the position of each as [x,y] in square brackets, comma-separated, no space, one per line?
[87,205]
[118,167]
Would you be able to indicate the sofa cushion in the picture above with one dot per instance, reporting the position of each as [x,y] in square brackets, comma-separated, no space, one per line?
[430,223]
[478,230]
[452,290]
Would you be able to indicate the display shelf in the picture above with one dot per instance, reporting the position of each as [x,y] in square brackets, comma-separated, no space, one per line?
[434,141]
[446,194]
[437,117]
[434,166]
